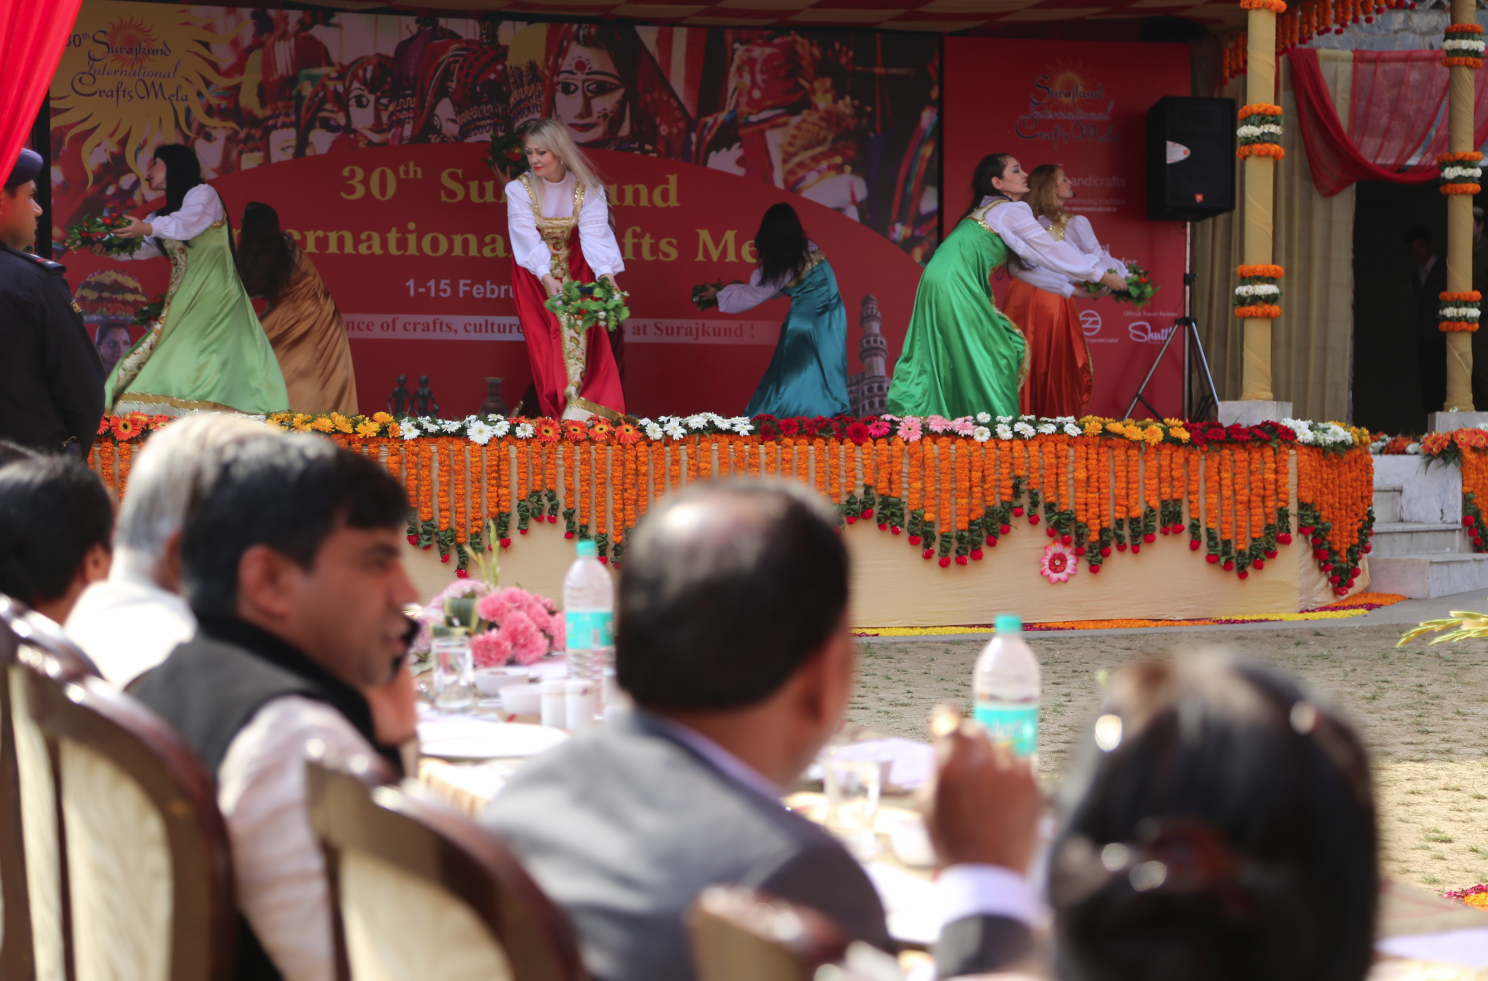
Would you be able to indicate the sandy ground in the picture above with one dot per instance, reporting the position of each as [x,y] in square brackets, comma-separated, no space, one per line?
[1422,710]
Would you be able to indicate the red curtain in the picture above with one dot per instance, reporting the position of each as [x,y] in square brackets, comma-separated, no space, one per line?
[1395,114]
[32,36]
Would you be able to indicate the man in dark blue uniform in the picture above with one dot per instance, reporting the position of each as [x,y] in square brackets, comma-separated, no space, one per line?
[51,378]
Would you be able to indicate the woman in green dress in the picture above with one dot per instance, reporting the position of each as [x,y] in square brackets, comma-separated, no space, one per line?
[808,373]
[206,350]
[961,355]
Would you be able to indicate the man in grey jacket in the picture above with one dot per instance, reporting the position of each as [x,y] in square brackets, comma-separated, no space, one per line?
[735,645]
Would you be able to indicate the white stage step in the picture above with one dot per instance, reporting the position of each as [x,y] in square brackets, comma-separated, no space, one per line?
[1387,502]
[1394,539]
[1427,576]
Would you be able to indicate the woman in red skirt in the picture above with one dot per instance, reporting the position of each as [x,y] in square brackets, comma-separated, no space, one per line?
[1061,378]
[559,223]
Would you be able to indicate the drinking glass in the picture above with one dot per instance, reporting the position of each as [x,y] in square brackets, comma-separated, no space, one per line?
[454,674]
[853,789]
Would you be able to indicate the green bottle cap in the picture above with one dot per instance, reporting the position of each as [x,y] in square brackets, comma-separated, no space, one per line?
[1008,623]
[588,550]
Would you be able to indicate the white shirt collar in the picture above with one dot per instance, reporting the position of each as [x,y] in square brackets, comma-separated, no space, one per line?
[730,765]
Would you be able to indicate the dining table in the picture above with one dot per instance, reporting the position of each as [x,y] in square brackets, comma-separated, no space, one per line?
[467,759]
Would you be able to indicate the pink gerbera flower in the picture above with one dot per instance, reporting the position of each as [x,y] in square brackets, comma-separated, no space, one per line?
[963,426]
[1059,562]
[909,429]
[937,424]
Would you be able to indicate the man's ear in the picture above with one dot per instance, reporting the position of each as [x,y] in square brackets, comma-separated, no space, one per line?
[96,563]
[266,582]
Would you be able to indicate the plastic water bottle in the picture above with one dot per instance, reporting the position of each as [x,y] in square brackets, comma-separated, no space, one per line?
[1006,688]
[589,618]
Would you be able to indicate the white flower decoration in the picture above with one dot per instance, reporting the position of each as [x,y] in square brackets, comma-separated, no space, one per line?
[1047,428]
[653,430]
[1024,430]
[408,429]
[1004,431]
[742,425]
[524,430]
[981,434]
[984,417]
[1070,429]
[697,421]
[674,429]
[479,432]
[501,429]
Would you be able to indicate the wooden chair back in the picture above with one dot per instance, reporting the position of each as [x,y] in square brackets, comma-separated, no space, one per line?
[38,929]
[149,868]
[423,893]
[744,934]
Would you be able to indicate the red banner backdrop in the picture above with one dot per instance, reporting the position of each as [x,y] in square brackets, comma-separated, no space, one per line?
[1082,105]
[412,241]
[368,131]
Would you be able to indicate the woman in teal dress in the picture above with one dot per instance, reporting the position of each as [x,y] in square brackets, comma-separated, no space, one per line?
[808,373]
[206,350]
[961,354]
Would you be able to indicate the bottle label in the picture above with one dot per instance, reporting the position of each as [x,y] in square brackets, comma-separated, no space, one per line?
[589,630]
[1016,725]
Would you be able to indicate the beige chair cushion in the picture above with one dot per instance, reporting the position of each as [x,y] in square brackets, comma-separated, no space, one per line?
[39,829]
[119,868]
[400,927]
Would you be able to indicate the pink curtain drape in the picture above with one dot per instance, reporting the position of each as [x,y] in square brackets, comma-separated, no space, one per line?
[32,36]
[1395,105]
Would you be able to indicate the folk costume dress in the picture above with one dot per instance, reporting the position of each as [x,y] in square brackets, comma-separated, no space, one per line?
[808,372]
[961,354]
[309,339]
[207,350]
[563,229]
[1040,301]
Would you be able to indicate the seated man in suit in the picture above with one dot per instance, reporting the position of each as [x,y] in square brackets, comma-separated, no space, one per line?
[734,643]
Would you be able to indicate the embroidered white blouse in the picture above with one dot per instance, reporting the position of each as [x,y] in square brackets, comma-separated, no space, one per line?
[556,198]
[738,297]
[199,211]
[1023,234]
[1079,234]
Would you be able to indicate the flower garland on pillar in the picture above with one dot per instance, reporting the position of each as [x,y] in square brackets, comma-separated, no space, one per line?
[1258,294]
[1461,173]
[1259,134]
[1459,312]
[1462,47]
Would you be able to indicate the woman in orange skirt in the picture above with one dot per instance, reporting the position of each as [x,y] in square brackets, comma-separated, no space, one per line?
[1039,301]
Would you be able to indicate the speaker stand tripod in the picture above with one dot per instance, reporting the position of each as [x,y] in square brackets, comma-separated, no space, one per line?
[1193,347]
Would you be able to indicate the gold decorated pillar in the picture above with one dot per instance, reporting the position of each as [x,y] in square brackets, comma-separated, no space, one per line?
[1459,213]
[1260,89]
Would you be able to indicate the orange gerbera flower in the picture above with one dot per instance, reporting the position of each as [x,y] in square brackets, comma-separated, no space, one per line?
[545,431]
[575,430]
[321,425]
[382,418]
[629,433]
[342,424]
[126,427]
[600,431]
[368,428]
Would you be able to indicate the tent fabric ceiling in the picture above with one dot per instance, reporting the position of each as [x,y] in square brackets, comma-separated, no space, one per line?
[942,16]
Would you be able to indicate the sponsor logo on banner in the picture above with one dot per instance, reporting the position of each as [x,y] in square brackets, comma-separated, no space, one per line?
[1145,333]
[1090,322]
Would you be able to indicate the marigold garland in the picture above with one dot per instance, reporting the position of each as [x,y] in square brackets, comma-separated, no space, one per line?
[106,463]
[1262,311]
[1272,150]
[458,488]
[126,453]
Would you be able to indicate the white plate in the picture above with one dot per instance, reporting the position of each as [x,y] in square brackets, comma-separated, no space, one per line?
[475,740]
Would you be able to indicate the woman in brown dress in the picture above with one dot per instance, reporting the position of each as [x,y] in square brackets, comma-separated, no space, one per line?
[301,319]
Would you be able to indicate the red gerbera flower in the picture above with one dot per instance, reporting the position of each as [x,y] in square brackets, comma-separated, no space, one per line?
[106,425]
[789,427]
[600,431]
[629,433]
[126,427]
[857,432]
[546,430]
[575,431]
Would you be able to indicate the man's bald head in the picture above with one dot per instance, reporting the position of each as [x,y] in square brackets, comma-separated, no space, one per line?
[726,591]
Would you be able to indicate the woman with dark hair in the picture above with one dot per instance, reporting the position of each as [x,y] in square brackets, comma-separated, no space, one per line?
[1224,829]
[808,373]
[206,350]
[605,87]
[1040,301]
[301,319]
[961,355]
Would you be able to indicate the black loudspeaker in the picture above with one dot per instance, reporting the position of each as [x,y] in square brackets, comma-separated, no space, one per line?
[1190,158]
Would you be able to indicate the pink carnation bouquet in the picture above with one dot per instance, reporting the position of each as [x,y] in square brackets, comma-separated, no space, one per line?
[505,624]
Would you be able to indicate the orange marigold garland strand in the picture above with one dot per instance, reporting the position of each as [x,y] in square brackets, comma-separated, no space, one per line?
[602,500]
[106,463]
[586,488]
[427,527]
[915,498]
[976,533]
[126,454]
